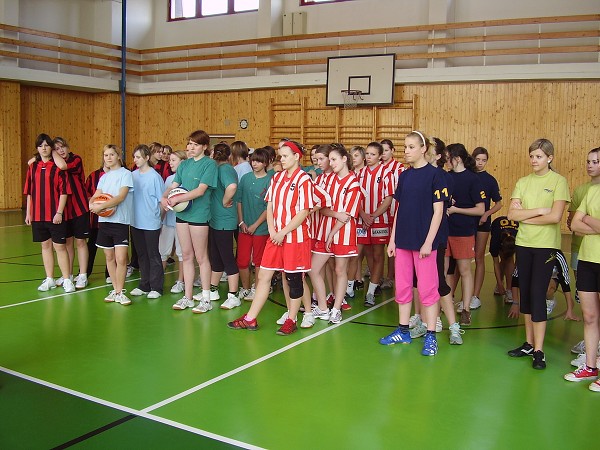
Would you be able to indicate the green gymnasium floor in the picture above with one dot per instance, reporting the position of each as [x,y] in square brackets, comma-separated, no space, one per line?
[75,371]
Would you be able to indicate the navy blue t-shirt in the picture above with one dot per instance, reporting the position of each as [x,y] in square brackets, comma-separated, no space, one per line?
[417,191]
[467,193]
[501,225]
[491,189]
[444,229]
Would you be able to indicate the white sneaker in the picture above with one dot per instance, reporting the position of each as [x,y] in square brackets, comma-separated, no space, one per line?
[153,294]
[508,298]
[550,304]
[578,348]
[335,317]
[459,307]
[455,334]
[137,292]
[243,293]
[414,320]
[122,298]
[323,315]
[231,302]
[223,277]
[283,318]
[183,303]
[202,307]
[475,302]
[252,293]
[68,285]
[47,284]
[59,281]
[580,360]
[108,280]
[110,297]
[81,281]
[214,296]
[129,272]
[178,287]
[308,320]
[197,282]
[438,325]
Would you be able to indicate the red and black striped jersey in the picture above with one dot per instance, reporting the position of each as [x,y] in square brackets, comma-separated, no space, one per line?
[91,185]
[77,203]
[163,168]
[45,183]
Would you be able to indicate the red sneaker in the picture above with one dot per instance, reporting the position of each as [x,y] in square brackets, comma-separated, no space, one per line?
[330,301]
[243,324]
[346,306]
[582,373]
[288,327]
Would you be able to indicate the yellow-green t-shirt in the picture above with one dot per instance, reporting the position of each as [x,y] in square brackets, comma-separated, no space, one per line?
[578,195]
[540,191]
[590,245]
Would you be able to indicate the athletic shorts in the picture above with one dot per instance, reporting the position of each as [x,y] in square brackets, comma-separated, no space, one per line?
[191,224]
[588,277]
[42,231]
[337,250]
[461,247]
[250,247]
[378,234]
[111,235]
[79,227]
[485,228]
[286,257]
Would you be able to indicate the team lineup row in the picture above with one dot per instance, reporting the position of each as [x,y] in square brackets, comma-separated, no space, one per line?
[286,221]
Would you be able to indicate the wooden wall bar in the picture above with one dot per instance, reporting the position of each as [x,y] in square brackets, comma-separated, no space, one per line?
[503,117]
[10,133]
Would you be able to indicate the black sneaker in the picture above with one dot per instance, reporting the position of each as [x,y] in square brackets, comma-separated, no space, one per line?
[358,285]
[524,350]
[378,290]
[539,360]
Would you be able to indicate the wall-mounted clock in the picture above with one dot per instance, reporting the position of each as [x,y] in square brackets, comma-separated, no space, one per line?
[244,124]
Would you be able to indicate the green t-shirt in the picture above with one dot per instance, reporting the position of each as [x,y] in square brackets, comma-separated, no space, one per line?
[578,195]
[540,191]
[251,193]
[190,174]
[590,245]
[223,218]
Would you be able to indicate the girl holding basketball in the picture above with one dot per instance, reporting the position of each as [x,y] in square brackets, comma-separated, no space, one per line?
[421,194]
[289,201]
[537,203]
[197,174]
[113,232]
[168,236]
[374,228]
[148,188]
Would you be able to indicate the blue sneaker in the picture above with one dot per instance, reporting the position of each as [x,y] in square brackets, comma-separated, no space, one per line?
[396,337]
[430,346]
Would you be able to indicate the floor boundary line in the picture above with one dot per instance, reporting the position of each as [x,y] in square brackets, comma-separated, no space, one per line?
[136,412]
[259,360]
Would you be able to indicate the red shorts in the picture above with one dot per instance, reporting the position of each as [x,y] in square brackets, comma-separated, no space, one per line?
[293,257]
[337,250]
[461,247]
[378,234]
[250,246]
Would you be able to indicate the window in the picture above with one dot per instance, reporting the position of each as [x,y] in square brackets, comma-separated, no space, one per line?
[316,2]
[191,9]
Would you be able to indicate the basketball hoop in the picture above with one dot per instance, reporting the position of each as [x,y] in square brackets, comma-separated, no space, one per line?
[351,97]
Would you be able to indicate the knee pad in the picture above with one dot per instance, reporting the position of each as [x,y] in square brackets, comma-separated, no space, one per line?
[295,284]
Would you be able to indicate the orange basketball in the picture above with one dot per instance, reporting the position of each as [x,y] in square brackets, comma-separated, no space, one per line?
[101,199]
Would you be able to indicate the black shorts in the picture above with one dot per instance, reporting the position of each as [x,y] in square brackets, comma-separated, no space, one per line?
[588,276]
[42,231]
[79,227]
[485,228]
[191,224]
[111,235]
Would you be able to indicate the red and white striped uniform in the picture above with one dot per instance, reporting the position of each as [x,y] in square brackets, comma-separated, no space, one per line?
[395,168]
[322,199]
[377,184]
[347,197]
[289,195]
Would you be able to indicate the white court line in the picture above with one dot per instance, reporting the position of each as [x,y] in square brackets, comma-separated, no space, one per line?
[128,410]
[261,359]
[13,226]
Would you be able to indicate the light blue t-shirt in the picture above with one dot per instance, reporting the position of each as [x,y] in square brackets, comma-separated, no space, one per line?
[148,189]
[242,169]
[111,183]
[169,219]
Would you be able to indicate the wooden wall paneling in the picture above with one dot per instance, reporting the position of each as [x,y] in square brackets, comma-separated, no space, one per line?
[11,166]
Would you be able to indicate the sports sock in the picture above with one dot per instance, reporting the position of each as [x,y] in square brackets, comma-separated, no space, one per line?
[372,287]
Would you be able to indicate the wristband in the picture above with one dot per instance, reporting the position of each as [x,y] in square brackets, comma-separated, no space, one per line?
[240,224]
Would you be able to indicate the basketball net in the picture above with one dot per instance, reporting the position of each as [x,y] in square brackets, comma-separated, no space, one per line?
[351,98]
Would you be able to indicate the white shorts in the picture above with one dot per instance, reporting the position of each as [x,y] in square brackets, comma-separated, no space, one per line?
[165,243]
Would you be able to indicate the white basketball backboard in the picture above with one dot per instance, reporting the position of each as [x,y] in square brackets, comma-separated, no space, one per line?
[371,74]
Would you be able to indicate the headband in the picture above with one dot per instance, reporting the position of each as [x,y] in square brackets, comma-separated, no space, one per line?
[422,137]
[294,147]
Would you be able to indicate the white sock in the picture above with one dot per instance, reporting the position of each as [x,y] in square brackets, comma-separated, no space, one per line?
[372,287]
[350,288]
